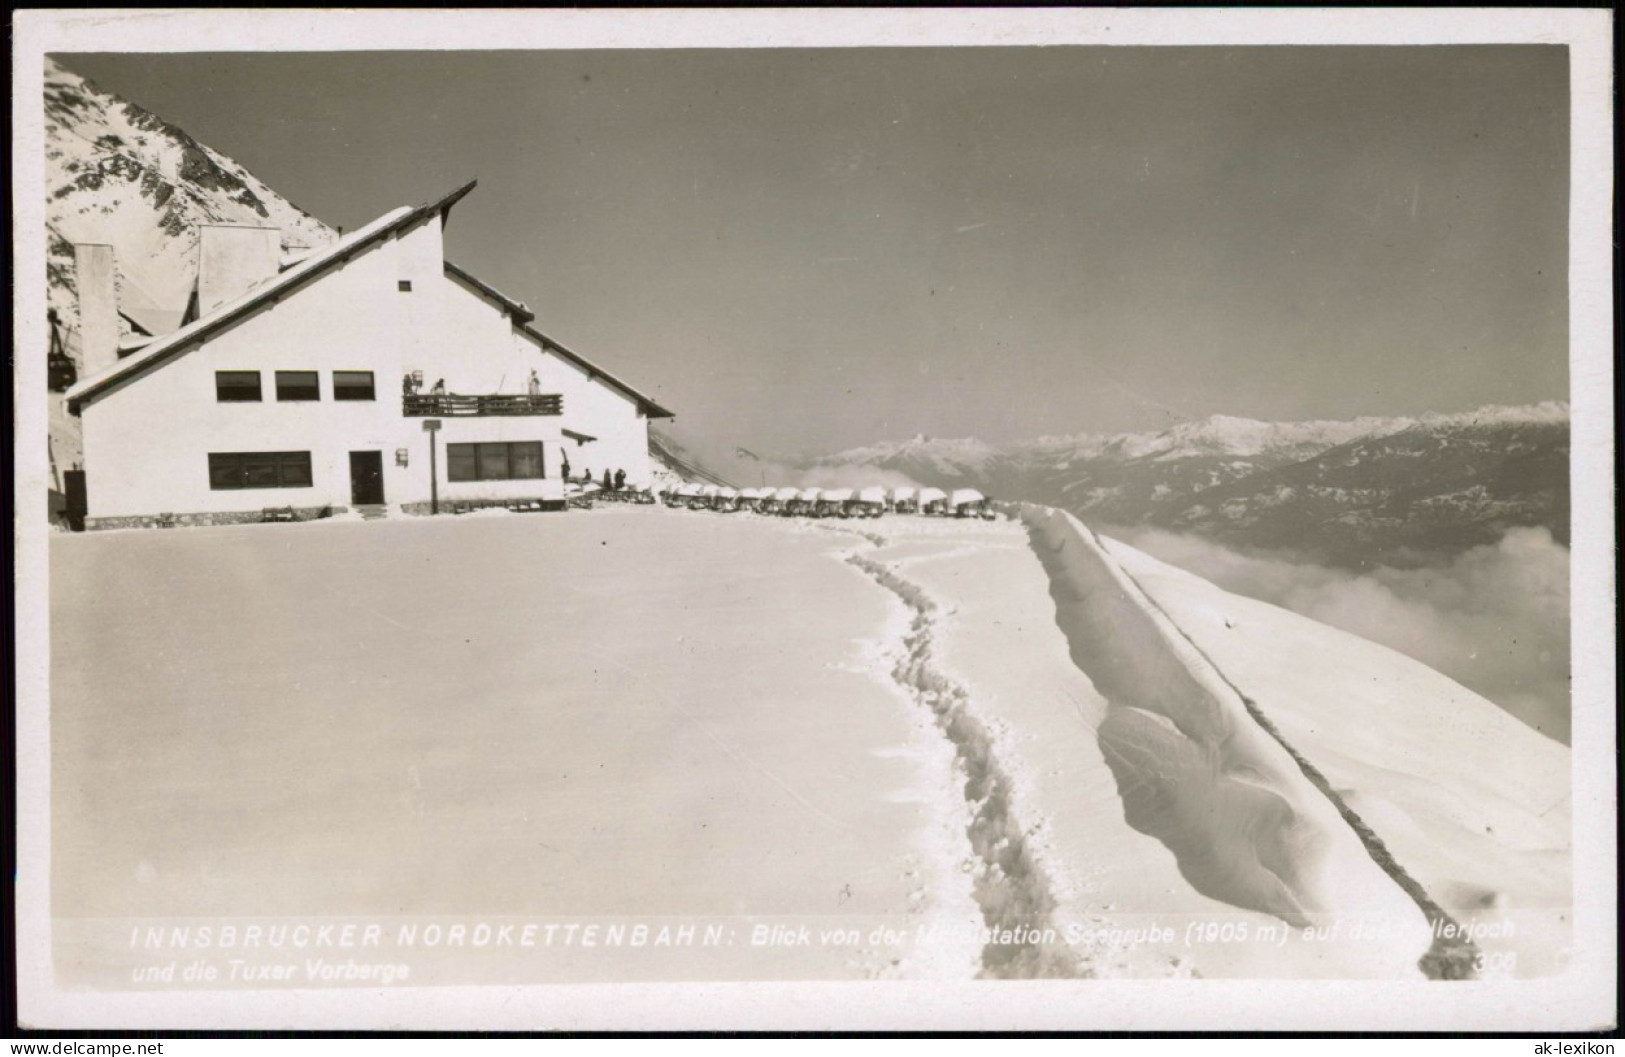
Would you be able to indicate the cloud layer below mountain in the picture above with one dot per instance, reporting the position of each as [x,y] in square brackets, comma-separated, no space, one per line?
[1494,618]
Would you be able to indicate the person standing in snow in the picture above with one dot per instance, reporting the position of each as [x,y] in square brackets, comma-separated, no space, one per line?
[620,479]
[564,469]
[607,486]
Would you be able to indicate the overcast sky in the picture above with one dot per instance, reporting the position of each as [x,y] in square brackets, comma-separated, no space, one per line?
[809,250]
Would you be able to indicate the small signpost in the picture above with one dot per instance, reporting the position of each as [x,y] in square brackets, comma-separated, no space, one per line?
[431,426]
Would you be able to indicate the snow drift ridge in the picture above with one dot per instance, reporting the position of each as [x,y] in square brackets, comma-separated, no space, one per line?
[1198,771]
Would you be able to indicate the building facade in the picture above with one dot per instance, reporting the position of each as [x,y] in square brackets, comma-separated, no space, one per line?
[372,373]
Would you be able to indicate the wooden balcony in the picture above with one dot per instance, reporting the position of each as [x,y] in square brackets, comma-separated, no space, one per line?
[457,405]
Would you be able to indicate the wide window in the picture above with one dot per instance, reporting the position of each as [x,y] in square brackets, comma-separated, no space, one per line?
[353,385]
[237,386]
[507,461]
[297,385]
[259,469]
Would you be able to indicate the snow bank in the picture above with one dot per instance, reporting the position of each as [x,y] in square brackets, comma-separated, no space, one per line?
[1472,802]
[1194,768]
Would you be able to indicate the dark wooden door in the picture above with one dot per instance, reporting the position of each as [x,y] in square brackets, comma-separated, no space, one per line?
[366,477]
[73,481]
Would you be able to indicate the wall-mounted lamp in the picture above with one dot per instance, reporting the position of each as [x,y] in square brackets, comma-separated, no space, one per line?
[400,456]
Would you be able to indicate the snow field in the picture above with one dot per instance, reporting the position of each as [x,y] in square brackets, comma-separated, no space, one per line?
[614,715]
[1028,751]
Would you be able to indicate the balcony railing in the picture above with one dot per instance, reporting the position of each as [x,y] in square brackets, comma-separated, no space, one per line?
[456,405]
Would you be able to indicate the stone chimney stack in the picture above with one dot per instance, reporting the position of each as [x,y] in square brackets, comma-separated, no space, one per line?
[96,279]
[233,259]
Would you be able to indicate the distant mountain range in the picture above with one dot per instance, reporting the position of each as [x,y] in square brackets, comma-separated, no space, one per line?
[1390,490]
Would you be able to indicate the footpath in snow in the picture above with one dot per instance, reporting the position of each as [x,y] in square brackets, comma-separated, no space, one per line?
[1124,790]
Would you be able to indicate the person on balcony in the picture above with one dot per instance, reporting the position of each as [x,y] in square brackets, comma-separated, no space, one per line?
[439,387]
[535,384]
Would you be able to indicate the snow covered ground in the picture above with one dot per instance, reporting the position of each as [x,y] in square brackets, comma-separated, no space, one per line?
[620,716]
[905,747]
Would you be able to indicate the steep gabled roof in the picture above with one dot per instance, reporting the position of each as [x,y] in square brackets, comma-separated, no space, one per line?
[522,317]
[163,349]
[646,405]
[520,311]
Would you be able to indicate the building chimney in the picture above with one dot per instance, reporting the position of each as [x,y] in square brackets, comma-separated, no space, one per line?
[231,260]
[98,307]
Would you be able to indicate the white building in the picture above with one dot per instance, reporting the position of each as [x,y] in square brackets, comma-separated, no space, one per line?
[290,387]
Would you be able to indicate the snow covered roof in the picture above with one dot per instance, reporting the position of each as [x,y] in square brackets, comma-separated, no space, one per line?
[299,269]
[152,321]
[166,348]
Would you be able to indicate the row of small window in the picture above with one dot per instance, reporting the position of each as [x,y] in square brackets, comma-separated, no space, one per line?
[507,461]
[244,386]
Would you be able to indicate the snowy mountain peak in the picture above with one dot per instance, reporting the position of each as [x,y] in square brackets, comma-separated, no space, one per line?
[1229,435]
[119,175]
[948,456]
[1549,411]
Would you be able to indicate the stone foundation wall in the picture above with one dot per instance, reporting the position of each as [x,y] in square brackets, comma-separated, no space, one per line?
[233,517]
[459,506]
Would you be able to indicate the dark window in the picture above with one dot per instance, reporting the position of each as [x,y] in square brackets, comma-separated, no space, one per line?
[259,469]
[353,385]
[297,385]
[236,386]
[460,463]
[510,461]
[525,460]
[493,462]
[405,286]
